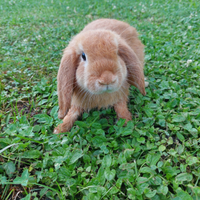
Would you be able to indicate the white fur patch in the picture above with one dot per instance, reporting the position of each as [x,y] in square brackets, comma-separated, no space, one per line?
[55,131]
[146,84]
[116,41]
[80,47]
[122,71]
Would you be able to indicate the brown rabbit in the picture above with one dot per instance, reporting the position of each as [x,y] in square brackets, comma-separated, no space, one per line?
[97,69]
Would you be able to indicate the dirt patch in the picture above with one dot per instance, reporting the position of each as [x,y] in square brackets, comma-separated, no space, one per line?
[17,192]
[25,108]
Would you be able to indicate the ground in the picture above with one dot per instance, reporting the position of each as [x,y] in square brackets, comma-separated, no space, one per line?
[156,156]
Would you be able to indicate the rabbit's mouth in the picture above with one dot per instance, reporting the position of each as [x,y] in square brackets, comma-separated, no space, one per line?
[109,89]
[104,89]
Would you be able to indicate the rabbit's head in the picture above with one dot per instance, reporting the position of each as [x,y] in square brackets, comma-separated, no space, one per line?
[100,69]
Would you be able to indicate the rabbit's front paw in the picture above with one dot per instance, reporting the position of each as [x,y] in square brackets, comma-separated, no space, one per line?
[61,114]
[58,129]
[61,129]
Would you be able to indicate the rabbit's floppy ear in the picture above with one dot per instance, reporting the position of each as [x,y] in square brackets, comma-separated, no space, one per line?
[66,80]
[134,66]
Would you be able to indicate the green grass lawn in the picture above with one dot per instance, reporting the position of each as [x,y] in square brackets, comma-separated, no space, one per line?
[156,156]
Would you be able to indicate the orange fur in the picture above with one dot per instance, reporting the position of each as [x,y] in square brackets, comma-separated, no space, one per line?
[69,120]
[66,76]
[113,60]
[122,110]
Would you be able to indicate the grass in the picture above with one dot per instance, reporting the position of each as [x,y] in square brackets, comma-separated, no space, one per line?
[156,156]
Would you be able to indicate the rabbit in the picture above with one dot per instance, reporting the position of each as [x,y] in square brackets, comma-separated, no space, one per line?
[97,68]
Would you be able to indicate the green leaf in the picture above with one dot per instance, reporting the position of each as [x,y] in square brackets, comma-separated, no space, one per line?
[104,149]
[191,130]
[126,166]
[128,153]
[93,189]
[180,137]
[119,182]
[162,122]
[177,198]
[101,190]
[10,168]
[54,111]
[141,140]
[127,132]
[183,194]
[121,122]
[101,176]
[196,190]
[113,190]
[161,148]
[149,193]
[27,132]
[86,158]
[81,124]
[164,85]
[153,159]
[44,118]
[23,180]
[163,189]
[27,197]
[142,180]
[184,177]
[43,101]
[107,160]
[88,169]
[160,164]
[109,174]
[148,111]
[5,140]
[121,158]
[156,180]
[188,126]
[3,180]
[43,191]
[147,170]
[141,187]
[170,171]
[191,160]
[131,193]
[70,182]
[180,149]
[172,152]
[195,112]
[178,118]
[76,154]
[99,140]
[97,126]
[32,154]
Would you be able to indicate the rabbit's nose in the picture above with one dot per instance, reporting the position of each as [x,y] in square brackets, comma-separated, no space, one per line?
[104,82]
[107,78]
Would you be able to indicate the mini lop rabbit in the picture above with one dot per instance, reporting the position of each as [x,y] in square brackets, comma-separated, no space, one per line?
[97,68]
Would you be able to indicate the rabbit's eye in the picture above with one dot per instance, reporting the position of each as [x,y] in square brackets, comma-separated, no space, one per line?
[83,56]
